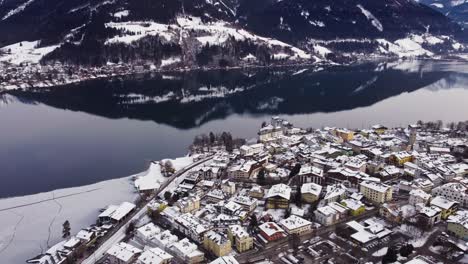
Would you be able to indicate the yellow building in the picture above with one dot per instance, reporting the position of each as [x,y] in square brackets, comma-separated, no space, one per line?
[240,238]
[401,158]
[217,244]
[447,207]
[345,134]
[458,225]
[257,192]
[189,204]
[379,129]
[376,192]
[355,207]
[310,192]
[278,197]
[391,212]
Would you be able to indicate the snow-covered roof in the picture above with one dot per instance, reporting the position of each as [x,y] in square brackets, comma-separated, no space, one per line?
[378,187]
[327,210]
[311,188]
[238,231]
[420,193]
[352,204]
[372,229]
[430,211]
[148,231]
[443,202]
[186,248]
[225,260]
[282,190]
[123,210]
[85,235]
[461,218]
[123,251]
[109,211]
[294,222]
[270,228]
[71,243]
[154,256]
[232,206]
[335,190]
[216,237]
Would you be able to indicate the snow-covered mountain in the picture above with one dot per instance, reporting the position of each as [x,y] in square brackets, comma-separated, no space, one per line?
[454,9]
[194,33]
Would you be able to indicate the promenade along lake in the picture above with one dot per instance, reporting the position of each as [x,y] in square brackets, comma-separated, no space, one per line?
[102,129]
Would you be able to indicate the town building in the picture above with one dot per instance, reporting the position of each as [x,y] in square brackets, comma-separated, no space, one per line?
[217,244]
[122,253]
[418,196]
[326,215]
[376,192]
[447,207]
[278,196]
[458,224]
[270,231]
[240,238]
[187,251]
[189,204]
[154,256]
[355,207]
[296,225]
[310,192]
[115,214]
[454,191]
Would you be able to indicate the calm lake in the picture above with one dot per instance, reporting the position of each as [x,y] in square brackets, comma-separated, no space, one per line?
[103,129]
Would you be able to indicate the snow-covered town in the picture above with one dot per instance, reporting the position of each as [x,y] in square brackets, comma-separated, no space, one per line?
[292,195]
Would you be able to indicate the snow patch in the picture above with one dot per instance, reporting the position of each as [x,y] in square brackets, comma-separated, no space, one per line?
[25,52]
[121,14]
[17,10]
[139,30]
[375,22]
[170,61]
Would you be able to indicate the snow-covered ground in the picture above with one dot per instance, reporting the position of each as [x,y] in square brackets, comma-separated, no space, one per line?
[213,33]
[25,51]
[35,226]
[31,224]
[152,178]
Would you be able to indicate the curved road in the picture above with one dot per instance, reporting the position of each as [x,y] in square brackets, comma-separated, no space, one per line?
[120,233]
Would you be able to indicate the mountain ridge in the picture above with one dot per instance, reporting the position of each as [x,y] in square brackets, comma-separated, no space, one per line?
[211,33]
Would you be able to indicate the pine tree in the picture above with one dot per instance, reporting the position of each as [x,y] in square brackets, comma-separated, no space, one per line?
[298,198]
[253,222]
[212,138]
[261,177]
[66,229]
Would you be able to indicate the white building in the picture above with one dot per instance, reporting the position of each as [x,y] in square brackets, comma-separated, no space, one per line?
[154,256]
[453,191]
[122,253]
[326,215]
[187,251]
[296,225]
[418,196]
[246,150]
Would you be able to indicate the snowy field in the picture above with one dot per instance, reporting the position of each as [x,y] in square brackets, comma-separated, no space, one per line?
[28,230]
[26,51]
[31,224]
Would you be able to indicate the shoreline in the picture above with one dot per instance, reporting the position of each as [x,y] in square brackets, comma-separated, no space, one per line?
[42,84]
[33,223]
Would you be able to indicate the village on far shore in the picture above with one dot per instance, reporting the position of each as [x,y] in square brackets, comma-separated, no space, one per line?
[292,195]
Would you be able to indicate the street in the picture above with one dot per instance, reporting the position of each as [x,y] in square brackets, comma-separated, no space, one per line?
[120,233]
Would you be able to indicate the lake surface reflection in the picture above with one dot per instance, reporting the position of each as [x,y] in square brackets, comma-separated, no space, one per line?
[102,129]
